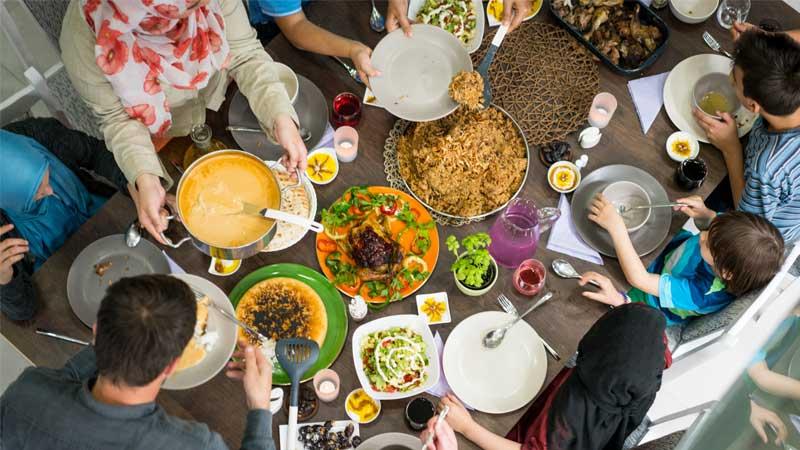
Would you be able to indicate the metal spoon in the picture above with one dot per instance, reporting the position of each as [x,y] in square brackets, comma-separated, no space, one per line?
[714,44]
[622,209]
[376,20]
[304,133]
[133,234]
[496,336]
[564,269]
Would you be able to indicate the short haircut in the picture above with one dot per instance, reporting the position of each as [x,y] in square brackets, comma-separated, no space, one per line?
[144,323]
[770,64]
[746,247]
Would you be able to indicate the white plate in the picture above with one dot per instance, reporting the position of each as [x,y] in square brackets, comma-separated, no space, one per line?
[537,6]
[480,20]
[416,324]
[417,72]
[222,350]
[338,426]
[312,207]
[391,441]
[678,94]
[499,380]
[439,297]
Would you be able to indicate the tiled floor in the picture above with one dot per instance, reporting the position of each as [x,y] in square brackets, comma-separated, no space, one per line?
[12,363]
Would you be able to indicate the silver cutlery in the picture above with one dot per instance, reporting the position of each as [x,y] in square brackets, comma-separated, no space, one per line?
[350,70]
[61,337]
[442,415]
[304,134]
[133,234]
[199,295]
[376,20]
[714,44]
[509,308]
[564,269]
[483,68]
[622,209]
[496,336]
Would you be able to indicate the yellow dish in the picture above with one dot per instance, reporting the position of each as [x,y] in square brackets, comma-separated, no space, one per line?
[495,9]
[322,167]
[361,407]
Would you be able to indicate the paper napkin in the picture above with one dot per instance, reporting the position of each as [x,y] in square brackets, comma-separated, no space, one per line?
[442,388]
[564,237]
[648,97]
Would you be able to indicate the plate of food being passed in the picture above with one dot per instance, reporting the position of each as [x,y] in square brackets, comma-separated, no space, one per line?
[291,300]
[379,243]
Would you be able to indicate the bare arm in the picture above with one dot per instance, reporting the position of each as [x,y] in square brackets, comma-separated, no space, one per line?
[487,440]
[774,383]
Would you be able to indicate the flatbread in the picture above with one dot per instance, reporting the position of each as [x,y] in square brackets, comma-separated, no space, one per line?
[282,308]
[293,201]
[194,352]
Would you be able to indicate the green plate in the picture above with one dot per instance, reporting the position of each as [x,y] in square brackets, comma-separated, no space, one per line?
[334,307]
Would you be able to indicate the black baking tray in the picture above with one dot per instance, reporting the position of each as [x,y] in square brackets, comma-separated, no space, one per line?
[646,16]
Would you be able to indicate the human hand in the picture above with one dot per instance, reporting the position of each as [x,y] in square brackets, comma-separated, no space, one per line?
[444,438]
[288,137]
[605,214]
[514,12]
[360,55]
[740,27]
[149,197]
[695,208]
[12,250]
[397,17]
[607,293]
[722,134]
[255,373]
[458,417]
[761,417]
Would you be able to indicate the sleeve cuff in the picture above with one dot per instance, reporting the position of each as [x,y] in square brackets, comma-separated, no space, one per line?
[259,426]
[665,291]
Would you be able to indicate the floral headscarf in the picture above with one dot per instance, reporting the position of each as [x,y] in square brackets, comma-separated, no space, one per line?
[143,43]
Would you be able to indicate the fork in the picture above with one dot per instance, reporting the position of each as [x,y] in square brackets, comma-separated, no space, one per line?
[714,44]
[509,308]
[376,20]
[199,295]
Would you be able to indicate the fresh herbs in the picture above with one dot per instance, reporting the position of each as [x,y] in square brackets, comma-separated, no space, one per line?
[422,236]
[343,273]
[471,266]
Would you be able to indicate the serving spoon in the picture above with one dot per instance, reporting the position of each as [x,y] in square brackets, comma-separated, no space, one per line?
[564,269]
[268,213]
[622,209]
[496,336]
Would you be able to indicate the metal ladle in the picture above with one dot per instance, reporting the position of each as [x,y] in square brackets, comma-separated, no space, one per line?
[564,269]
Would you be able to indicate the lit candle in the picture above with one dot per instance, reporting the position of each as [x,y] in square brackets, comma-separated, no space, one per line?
[603,107]
[345,142]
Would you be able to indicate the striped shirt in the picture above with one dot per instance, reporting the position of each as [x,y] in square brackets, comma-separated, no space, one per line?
[772,178]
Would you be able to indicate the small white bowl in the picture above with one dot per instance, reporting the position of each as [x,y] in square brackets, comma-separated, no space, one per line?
[288,78]
[353,415]
[693,11]
[629,194]
[694,145]
[556,165]
[330,152]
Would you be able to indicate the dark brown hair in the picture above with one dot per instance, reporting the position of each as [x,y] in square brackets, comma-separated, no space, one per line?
[144,323]
[747,250]
[770,64]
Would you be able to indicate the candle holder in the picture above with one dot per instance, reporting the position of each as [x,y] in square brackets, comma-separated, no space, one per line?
[326,385]
[603,107]
[345,143]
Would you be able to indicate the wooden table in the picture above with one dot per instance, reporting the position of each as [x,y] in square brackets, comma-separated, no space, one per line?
[220,402]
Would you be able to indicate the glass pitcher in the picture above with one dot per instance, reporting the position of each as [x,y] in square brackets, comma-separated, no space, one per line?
[515,233]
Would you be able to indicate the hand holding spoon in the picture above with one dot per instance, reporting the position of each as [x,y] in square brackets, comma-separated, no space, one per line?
[564,269]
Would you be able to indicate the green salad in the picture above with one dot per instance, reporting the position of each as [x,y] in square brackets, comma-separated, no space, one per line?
[394,360]
[456,16]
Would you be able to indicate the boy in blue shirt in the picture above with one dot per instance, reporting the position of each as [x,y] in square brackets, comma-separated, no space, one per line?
[765,177]
[695,274]
[288,15]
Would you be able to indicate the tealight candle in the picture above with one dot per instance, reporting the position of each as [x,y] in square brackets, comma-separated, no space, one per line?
[326,385]
[345,142]
[603,107]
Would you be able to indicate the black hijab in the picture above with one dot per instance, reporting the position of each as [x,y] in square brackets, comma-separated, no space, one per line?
[618,372]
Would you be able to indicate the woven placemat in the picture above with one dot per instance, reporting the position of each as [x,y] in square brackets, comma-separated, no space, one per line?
[543,79]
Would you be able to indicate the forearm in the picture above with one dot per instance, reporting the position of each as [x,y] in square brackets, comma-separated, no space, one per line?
[633,268]
[775,383]
[258,431]
[794,34]
[307,36]
[734,162]
[487,440]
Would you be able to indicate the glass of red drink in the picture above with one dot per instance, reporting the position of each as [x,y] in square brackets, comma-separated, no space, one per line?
[529,277]
[346,110]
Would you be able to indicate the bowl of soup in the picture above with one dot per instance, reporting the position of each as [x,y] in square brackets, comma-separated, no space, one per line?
[714,93]
[212,195]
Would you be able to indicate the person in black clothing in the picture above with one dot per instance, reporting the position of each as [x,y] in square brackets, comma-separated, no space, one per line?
[52,180]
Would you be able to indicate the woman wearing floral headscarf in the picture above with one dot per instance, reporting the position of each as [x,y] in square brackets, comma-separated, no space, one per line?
[152,67]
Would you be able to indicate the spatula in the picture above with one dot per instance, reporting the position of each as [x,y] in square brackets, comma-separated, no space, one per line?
[296,356]
[483,67]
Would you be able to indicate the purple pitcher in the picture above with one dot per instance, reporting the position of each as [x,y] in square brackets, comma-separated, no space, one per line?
[515,232]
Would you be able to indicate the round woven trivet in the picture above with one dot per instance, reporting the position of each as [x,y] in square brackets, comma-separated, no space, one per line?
[542,79]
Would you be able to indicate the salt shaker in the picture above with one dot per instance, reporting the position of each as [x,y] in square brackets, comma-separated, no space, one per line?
[358,308]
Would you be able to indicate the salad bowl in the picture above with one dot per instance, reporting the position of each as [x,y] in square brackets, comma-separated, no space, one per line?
[406,353]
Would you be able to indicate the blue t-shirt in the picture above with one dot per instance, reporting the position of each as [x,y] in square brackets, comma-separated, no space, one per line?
[688,285]
[263,11]
[772,178]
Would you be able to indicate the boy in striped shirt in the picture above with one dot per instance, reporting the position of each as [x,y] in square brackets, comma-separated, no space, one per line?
[765,177]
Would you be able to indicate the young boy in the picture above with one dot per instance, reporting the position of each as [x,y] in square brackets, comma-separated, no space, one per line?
[695,274]
[765,178]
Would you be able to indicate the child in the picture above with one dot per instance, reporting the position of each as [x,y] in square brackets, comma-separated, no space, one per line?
[765,178]
[695,274]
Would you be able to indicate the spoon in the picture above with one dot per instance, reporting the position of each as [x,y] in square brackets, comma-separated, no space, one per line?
[133,234]
[564,269]
[622,209]
[376,20]
[483,68]
[496,336]
[304,133]
[714,44]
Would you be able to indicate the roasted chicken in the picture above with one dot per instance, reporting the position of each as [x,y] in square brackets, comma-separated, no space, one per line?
[376,254]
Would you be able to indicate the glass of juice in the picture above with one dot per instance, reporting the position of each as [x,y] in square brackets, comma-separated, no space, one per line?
[691,173]
[346,110]
[529,277]
[418,412]
[515,233]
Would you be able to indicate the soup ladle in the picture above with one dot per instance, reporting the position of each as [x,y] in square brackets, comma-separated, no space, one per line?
[564,269]
[255,210]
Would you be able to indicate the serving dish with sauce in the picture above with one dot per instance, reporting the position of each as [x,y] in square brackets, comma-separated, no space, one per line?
[361,407]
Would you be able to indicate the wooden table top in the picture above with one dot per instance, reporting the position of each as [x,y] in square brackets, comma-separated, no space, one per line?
[220,402]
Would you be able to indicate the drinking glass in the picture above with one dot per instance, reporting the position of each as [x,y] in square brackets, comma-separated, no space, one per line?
[691,173]
[515,233]
[529,277]
[346,110]
[731,11]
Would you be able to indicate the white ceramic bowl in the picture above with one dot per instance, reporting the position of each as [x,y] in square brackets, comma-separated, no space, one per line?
[289,79]
[694,145]
[353,416]
[693,11]
[717,82]
[332,153]
[629,194]
[569,165]
[416,324]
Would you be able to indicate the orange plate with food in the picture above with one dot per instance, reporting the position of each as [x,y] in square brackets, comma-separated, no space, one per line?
[379,243]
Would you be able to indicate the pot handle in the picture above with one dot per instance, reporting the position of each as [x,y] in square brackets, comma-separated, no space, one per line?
[168,240]
[293,219]
[547,217]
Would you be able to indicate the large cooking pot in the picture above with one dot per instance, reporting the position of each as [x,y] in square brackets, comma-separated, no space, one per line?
[226,177]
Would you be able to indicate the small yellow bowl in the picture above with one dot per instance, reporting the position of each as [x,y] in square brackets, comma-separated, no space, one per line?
[354,416]
[561,169]
[331,163]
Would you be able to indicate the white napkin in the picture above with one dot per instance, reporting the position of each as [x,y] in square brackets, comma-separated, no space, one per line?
[442,388]
[564,237]
[648,97]
[173,266]
[327,138]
